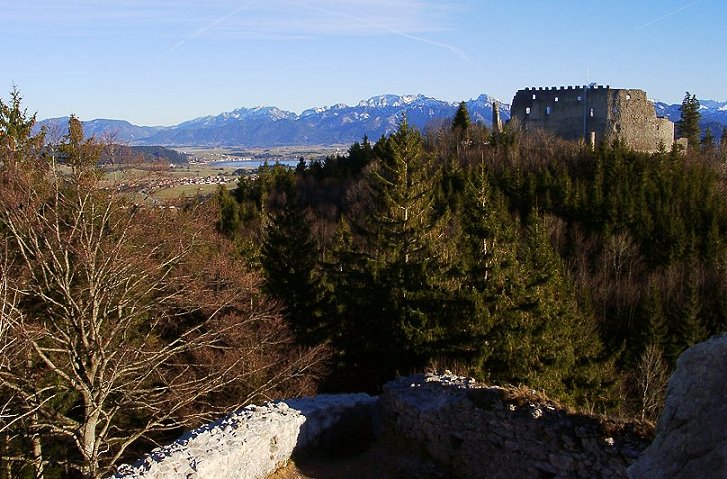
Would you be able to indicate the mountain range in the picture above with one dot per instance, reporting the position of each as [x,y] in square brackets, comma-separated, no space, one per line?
[330,125]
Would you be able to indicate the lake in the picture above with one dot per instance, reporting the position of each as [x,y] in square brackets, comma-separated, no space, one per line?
[252,164]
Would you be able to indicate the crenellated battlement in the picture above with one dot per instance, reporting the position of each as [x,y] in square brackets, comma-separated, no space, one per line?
[593,113]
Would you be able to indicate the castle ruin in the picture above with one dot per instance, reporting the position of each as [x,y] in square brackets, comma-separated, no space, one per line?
[594,114]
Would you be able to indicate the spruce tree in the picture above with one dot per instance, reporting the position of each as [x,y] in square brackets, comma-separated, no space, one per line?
[228,221]
[461,121]
[551,344]
[289,256]
[708,140]
[400,257]
[486,266]
[689,120]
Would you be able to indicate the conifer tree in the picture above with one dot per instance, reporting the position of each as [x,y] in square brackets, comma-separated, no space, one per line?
[692,329]
[461,121]
[401,257]
[708,140]
[487,263]
[689,120]
[657,326]
[16,125]
[552,344]
[289,256]
[228,221]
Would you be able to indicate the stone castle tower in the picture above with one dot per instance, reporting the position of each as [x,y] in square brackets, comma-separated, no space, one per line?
[594,114]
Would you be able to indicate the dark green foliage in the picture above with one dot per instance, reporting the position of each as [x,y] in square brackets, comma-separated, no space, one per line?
[289,257]
[15,123]
[507,258]
[229,212]
[461,119]
[708,139]
[392,278]
[689,121]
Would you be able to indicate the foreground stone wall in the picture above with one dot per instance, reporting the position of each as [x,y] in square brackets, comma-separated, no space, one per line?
[250,443]
[480,433]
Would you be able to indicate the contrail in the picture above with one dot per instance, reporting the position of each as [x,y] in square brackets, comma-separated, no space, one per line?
[454,50]
[668,15]
[209,26]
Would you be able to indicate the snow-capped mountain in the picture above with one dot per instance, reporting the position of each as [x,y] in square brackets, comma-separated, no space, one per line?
[713,114]
[271,126]
[335,124]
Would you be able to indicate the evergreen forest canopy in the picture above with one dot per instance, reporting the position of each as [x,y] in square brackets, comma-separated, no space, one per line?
[517,259]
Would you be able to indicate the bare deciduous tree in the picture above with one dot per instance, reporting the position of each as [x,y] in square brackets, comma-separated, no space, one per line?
[118,324]
[652,375]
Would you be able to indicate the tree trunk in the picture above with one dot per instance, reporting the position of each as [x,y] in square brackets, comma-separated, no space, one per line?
[37,456]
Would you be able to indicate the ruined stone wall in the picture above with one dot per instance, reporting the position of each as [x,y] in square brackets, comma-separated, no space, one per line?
[634,122]
[470,430]
[250,443]
[479,433]
[596,113]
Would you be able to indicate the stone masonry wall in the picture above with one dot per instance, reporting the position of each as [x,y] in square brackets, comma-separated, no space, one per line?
[478,433]
[473,431]
[603,114]
[250,443]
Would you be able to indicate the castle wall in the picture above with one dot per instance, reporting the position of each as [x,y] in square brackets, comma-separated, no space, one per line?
[470,430]
[635,123]
[593,113]
[478,433]
[250,443]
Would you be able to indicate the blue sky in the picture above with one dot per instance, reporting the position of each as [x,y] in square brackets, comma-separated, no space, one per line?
[162,62]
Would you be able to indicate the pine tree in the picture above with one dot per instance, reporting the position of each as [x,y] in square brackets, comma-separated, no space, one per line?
[486,265]
[461,121]
[400,258]
[689,120]
[708,140]
[228,221]
[552,344]
[289,256]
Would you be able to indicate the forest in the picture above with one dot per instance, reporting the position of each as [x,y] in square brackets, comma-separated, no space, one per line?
[514,258]
[509,256]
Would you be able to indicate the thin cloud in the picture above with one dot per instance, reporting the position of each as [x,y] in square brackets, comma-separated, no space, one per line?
[287,19]
[210,26]
[648,24]
[389,29]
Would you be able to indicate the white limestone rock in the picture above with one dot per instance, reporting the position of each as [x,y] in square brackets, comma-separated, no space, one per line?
[691,437]
[248,444]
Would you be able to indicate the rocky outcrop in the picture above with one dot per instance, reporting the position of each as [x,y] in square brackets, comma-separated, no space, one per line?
[489,432]
[691,437]
[253,442]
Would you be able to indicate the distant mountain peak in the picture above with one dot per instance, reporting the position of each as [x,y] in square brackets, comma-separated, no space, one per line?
[334,124]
